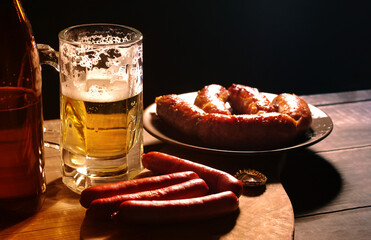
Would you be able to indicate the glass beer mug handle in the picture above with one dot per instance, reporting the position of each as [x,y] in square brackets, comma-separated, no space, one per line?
[49,56]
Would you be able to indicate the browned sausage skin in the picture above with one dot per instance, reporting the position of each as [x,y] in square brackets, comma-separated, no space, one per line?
[212,99]
[178,113]
[248,100]
[230,131]
[295,107]
[263,125]
[254,132]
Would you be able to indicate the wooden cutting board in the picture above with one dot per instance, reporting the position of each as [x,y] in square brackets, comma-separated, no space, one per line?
[264,213]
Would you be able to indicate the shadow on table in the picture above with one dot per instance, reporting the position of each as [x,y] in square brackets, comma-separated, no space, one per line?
[208,229]
[16,213]
[309,180]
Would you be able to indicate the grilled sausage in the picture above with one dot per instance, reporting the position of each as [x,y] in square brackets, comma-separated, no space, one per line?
[245,131]
[295,107]
[213,99]
[248,100]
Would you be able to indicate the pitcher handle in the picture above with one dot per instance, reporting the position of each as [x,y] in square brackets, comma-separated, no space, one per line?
[48,56]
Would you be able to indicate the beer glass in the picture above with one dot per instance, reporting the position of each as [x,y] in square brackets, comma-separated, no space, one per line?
[101,103]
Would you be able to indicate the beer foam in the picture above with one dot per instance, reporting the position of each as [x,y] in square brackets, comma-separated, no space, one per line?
[99,39]
[96,90]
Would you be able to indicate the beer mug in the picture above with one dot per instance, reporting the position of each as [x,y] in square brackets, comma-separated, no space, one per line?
[101,103]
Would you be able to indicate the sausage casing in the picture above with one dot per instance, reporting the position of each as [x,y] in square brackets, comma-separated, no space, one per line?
[212,99]
[132,186]
[103,208]
[295,107]
[247,131]
[218,181]
[169,211]
[248,100]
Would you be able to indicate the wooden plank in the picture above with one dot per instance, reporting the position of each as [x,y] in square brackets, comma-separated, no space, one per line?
[338,98]
[352,126]
[344,225]
[328,181]
[71,232]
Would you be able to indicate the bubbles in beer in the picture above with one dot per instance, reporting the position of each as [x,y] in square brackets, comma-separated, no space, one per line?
[96,71]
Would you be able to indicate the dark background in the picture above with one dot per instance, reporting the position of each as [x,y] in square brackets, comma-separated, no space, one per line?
[302,47]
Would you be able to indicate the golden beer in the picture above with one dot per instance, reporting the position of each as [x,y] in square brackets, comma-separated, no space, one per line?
[98,135]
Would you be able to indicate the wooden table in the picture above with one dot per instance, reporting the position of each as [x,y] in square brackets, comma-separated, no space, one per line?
[328,185]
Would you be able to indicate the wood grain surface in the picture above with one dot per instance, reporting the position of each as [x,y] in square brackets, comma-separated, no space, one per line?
[329,184]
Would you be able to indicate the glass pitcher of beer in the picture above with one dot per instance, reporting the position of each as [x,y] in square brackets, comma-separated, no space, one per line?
[22,174]
[101,103]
